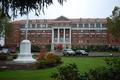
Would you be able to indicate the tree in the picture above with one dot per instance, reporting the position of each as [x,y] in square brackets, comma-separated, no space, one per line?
[4,25]
[114,23]
[25,6]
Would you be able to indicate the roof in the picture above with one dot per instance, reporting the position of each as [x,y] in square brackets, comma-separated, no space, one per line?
[63,19]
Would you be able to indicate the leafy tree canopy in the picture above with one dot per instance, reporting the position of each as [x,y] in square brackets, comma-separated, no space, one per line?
[25,6]
[4,24]
[114,23]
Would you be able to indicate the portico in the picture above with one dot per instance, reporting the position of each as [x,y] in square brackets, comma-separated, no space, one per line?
[61,36]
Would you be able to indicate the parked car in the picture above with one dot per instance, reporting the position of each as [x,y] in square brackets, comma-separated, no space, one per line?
[4,50]
[81,52]
[68,52]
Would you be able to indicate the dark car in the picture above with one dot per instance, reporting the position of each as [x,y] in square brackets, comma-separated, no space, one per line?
[81,52]
[68,52]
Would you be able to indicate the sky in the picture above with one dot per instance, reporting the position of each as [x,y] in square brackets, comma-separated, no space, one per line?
[77,9]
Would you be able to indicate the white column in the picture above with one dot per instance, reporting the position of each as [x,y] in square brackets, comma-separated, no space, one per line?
[40,25]
[94,25]
[30,25]
[46,25]
[77,25]
[52,44]
[70,37]
[35,26]
[89,25]
[58,36]
[53,35]
[64,36]
[83,25]
[100,25]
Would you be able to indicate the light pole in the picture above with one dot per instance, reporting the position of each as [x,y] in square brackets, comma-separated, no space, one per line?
[26,32]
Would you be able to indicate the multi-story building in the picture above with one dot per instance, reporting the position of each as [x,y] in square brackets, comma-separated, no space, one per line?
[63,32]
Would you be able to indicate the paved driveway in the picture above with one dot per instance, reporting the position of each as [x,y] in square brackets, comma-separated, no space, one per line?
[104,54]
[97,54]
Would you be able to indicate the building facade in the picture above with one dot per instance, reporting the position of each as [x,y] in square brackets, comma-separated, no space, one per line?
[64,32]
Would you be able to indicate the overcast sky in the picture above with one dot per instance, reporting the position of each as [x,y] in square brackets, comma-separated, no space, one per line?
[77,9]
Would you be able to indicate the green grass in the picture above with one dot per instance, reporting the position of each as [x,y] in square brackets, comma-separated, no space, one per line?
[83,63]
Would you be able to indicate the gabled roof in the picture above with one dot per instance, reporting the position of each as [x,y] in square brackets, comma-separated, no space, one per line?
[62,18]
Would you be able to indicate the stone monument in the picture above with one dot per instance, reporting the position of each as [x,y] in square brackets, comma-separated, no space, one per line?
[25,55]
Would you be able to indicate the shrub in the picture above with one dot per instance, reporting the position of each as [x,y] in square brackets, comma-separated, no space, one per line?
[68,72]
[41,55]
[110,72]
[41,64]
[48,60]
[58,59]
[35,48]
[3,56]
[51,59]
[48,47]
[14,56]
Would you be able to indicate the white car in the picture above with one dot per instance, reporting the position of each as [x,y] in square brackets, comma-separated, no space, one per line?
[4,50]
[68,52]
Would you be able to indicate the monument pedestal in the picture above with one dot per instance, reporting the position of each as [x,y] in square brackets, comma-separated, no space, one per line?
[25,55]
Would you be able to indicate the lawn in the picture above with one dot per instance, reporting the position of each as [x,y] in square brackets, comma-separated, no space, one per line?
[83,63]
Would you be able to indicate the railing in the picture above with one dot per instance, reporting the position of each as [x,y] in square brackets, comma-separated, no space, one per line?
[67,40]
[61,40]
[55,40]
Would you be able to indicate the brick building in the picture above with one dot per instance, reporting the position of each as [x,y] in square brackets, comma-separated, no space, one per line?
[63,31]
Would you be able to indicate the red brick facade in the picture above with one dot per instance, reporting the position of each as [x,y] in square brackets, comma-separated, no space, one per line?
[68,32]
[13,38]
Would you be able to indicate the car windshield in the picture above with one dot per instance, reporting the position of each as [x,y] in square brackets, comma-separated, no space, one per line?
[69,49]
[82,50]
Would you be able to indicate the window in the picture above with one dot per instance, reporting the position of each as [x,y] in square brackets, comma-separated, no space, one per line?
[33,25]
[86,25]
[98,36]
[92,31]
[61,33]
[50,25]
[55,33]
[103,35]
[74,25]
[43,31]
[43,25]
[38,26]
[104,31]
[29,25]
[81,25]
[97,25]
[22,31]
[23,26]
[86,31]
[92,25]
[104,25]
[81,30]
[98,31]
[67,32]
